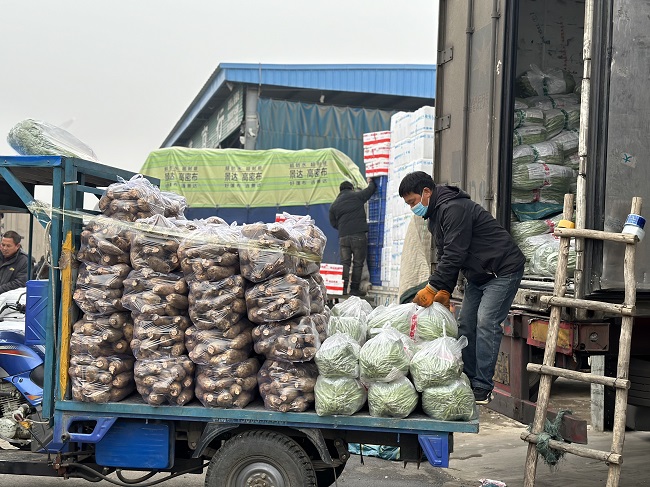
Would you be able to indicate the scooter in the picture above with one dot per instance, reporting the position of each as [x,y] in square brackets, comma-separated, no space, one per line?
[21,372]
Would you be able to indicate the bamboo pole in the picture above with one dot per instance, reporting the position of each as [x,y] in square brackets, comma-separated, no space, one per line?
[623,365]
[595,234]
[616,309]
[580,451]
[549,350]
[581,376]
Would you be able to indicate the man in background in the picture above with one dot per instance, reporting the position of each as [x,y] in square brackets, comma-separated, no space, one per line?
[348,216]
[13,265]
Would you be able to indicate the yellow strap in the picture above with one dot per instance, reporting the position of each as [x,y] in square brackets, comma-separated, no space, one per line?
[566,224]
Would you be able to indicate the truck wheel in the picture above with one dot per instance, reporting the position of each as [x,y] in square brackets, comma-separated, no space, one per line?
[260,458]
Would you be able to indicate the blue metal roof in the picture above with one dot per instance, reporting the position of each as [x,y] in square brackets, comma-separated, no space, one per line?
[397,80]
[417,80]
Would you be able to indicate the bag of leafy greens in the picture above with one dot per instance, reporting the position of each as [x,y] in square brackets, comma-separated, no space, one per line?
[437,362]
[397,316]
[385,357]
[342,395]
[396,399]
[433,322]
[449,402]
[338,356]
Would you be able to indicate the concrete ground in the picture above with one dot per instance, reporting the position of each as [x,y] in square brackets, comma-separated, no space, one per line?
[498,453]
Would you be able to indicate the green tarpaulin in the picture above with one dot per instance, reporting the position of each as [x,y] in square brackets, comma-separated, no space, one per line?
[235,178]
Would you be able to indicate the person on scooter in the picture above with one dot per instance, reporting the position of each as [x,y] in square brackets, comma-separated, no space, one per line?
[13,265]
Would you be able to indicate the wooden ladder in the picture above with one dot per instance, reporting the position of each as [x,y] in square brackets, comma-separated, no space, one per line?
[621,383]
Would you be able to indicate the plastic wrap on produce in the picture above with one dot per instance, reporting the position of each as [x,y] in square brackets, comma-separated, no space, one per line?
[397,316]
[101,379]
[310,241]
[523,154]
[551,81]
[338,356]
[150,292]
[287,386]
[295,340]
[341,395]
[166,380]
[132,200]
[38,138]
[433,322]
[540,175]
[210,252]
[386,356]
[437,362]
[396,399]
[227,385]
[568,141]
[350,319]
[317,292]
[531,134]
[548,152]
[217,304]
[156,248]
[267,250]
[215,347]
[104,242]
[528,116]
[159,336]
[450,402]
[525,229]
[99,288]
[554,121]
[278,299]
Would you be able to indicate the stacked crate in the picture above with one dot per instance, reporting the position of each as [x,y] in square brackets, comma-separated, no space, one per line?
[376,229]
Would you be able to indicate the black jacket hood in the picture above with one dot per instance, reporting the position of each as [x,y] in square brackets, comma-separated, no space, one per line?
[442,194]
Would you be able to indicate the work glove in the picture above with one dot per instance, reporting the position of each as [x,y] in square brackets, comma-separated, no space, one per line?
[442,297]
[425,296]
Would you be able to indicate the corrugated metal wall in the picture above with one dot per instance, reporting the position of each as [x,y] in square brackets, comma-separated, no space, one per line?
[295,126]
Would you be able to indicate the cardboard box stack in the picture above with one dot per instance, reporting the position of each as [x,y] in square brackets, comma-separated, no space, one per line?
[412,142]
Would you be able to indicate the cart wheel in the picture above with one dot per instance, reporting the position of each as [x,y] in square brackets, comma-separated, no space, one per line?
[262,459]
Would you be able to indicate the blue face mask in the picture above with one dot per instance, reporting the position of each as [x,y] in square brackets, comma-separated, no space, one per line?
[420,209]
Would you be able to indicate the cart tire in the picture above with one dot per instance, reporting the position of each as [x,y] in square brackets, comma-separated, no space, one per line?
[261,458]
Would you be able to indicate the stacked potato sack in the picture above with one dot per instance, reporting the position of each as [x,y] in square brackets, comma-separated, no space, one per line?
[101,363]
[137,199]
[545,154]
[157,298]
[278,302]
[219,341]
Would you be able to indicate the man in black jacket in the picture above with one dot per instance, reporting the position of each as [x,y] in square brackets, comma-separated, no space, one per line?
[13,265]
[470,240]
[348,216]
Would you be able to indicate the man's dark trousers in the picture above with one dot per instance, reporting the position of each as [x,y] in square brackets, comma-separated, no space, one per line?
[353,246]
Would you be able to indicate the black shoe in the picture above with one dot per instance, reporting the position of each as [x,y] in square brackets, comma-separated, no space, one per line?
[357,292]
[482,396]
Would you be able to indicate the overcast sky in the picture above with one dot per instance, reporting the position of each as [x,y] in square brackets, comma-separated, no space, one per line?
[119,74]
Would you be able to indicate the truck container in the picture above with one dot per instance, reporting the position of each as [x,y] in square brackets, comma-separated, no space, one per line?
[490,56]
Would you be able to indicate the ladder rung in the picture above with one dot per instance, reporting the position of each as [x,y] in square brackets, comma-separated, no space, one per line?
[620,309]
[582,376]
[581,451]
[596,235]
